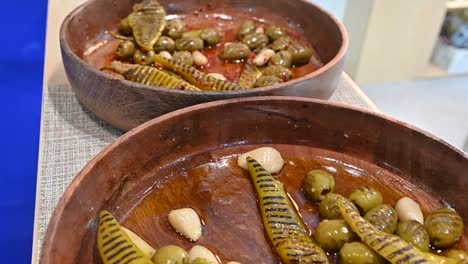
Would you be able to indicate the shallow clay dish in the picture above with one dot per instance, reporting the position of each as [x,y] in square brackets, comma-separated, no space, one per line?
[187,158]
[125,104]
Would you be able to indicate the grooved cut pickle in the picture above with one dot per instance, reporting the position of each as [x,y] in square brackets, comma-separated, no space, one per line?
[389,246]
[115,247]
[147,20]
[151,76]
[196,77]
[249,76]
[285,228]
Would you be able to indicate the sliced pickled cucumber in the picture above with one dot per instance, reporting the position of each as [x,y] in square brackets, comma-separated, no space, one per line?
[147,20]
[196,77]
[389,246]
[114,245]
[285,228]
[249,76]
[150,76]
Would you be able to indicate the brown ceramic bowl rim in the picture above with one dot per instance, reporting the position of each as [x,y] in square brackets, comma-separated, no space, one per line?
[55,218]
[329,65]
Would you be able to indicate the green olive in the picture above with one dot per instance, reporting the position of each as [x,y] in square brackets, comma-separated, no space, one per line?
[274,33]
[235,52]
[201,261]
[125,28]
[281,44]
[331,235]
[247,27]
[458,255]
[384,217]
[169,255]
[359,253]
[414,233]
[211,36]
[125,50]
[445,227]
[281,72]
[282,58]
[192,33]
[255,40]
[300,54]
[329,207]
[317,184]
[175,28]
[267,81]
[164,44]
[366,198]
[143,58]
[184,57]
[189,43]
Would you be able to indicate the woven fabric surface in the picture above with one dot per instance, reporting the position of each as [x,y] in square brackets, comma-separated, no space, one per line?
[71,136]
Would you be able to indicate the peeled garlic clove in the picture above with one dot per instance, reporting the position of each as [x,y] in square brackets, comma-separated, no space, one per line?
[203,253]
[199,58]
[217,76]
[165,55]
[408,209]
[268,157]
[263,57]
[145,248]
[186,222]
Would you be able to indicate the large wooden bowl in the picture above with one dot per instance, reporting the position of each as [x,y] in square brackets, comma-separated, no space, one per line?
[187,158]
[125,104]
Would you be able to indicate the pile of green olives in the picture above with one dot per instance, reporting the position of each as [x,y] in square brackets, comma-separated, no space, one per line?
[186,46]
[441,229]
[175,41]
[255,38]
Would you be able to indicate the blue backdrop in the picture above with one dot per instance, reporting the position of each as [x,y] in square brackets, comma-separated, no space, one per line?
[21,68]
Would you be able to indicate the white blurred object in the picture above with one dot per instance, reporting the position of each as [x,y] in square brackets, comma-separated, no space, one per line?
[460,37]
[268,157]
[203,253]
[452,59]
[408,209]
[186,222]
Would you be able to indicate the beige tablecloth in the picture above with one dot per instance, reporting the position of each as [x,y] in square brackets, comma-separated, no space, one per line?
[71,136]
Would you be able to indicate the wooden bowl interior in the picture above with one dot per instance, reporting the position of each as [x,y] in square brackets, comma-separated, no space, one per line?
[87,24]
[187,158]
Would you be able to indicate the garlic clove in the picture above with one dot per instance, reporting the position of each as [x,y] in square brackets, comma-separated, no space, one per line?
[204,253]
[186,222]
[199,58]
[233,262]
[263,57]
[408,209]
[268,157]
[145,248]
[165,55]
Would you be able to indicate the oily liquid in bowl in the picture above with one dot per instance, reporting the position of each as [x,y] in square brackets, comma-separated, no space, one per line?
[224,197]
[102,51]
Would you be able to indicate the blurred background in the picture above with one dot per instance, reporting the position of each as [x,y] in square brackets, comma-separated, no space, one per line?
[409,57]
[21,66]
